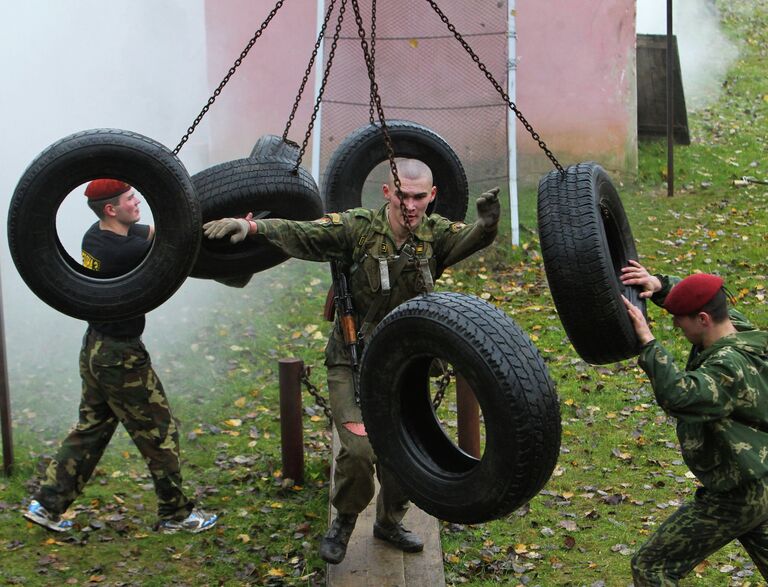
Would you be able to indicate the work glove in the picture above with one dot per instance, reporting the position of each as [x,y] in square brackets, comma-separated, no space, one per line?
[237,227]
[488,209]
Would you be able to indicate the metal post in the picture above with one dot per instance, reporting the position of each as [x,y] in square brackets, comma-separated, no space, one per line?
[670,105]
[512,121]
[468,417]
[5,401]
[315,166]
[291,431]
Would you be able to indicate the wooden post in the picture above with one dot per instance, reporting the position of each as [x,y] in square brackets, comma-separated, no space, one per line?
[468,417]
[5,401]
[291,430]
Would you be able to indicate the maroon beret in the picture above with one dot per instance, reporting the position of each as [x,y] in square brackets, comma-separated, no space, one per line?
[693,292]
[103,189]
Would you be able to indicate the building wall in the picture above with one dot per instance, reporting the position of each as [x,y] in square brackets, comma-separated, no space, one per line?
[575,74]
[576,82]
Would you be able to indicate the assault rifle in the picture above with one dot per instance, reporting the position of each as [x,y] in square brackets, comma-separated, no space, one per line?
[339,300]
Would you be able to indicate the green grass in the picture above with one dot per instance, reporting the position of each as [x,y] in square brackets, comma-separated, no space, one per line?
[620,472]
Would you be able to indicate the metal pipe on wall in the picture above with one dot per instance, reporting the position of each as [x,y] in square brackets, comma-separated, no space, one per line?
[670,105]
[512,122]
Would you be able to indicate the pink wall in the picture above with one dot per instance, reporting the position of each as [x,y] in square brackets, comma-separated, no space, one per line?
[575,75]
[576,82]
[258,98]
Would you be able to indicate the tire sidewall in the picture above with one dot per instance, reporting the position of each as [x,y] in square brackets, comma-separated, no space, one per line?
[364,149]
[60,280]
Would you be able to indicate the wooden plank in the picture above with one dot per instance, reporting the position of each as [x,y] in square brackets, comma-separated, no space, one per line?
[374,563]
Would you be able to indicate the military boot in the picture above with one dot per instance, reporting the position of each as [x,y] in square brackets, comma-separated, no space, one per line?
[333,547]
[398,537]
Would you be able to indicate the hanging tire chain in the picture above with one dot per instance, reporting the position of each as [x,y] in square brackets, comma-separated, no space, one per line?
[442,385]
[227,77]
[498,87]
[376,98]
[315,393]
[323,84]
[308,71]
[373,54]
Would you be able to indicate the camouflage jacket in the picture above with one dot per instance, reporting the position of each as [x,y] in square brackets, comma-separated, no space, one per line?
[720,402]
[361,239]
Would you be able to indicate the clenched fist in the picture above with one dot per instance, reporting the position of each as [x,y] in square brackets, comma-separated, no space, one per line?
[488,208]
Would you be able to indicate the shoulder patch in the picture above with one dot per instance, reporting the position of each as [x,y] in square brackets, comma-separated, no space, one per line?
[329,219]
[457,226]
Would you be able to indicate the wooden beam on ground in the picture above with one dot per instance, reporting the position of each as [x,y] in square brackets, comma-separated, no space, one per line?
[371,562]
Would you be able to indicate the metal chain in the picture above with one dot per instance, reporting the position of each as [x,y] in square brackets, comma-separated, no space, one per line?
[498,87]
[315,393]
[308,71]
[382,121]
[442,386]
[373,54]
[230,73]
[324,82]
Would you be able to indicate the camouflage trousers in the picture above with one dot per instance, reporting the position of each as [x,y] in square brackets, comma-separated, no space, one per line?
[119,385]
[703,526]
[353,476]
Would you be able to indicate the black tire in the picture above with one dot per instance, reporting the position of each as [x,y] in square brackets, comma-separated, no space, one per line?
[585,241]
[237,187]
[274,148]
[360,152]
[61,281]
[510,381]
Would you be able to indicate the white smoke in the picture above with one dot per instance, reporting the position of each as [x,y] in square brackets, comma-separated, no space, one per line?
[72,65]
[705,52]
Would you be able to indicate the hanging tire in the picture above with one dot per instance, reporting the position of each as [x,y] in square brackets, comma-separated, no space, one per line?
[510,380]
[585,241]
[274,148]
[360,152]
[237,187]
[61,281]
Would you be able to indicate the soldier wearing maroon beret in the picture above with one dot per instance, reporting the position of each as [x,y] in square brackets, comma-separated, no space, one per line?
[720,401]
[119,384]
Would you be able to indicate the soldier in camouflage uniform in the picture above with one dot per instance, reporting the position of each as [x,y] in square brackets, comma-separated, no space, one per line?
[720,402]
[369,243]
[119,384]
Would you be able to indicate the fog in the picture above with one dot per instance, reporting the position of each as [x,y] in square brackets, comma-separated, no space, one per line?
[139,65]
[705,52]
[71,65]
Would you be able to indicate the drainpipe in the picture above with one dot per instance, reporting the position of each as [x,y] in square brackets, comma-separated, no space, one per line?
[670,106]
[318,83]
[512,122]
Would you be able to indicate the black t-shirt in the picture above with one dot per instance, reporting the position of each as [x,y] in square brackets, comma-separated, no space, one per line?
[112,255]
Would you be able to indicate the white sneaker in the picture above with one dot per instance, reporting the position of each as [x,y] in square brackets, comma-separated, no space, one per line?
[196,521]
[39,515]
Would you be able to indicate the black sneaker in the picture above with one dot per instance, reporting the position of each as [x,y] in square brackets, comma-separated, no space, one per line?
[398,537]
[333,547]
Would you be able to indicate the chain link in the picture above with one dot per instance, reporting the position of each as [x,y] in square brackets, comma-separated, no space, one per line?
[442,385]
[373,54]
[382,120]
[315,393]
[324,82]
[230,73]
[308,71]
[498,87]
